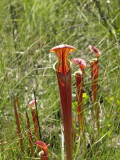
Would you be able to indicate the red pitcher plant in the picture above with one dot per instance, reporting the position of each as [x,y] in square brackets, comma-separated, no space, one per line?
[94,83]
[44,155]
[63,71]
[34,116]
[79,91]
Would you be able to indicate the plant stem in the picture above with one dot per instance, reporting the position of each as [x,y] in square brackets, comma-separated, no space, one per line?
[18,126]
[30,135]
[36,128]
[40,135]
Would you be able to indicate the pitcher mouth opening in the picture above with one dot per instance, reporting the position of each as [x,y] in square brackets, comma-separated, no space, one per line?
[57,64]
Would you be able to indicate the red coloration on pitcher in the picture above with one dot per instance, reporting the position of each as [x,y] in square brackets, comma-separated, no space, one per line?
[94,79]
[43,146]
[79,98]
[34,116]
[79,90]
[80,62]
[62,52]
[63,71]
[95,50]
[66,104]
[94,87]
[44,157]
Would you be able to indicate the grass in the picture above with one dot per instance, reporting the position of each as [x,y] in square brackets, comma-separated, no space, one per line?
[28,30]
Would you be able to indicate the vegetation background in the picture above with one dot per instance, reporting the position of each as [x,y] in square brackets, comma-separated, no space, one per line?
[28,30]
